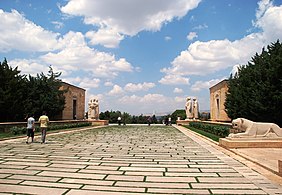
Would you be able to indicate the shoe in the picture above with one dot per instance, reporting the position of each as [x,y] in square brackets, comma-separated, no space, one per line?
[26,142]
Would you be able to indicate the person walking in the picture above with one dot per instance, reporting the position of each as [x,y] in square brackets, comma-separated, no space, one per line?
[30,128]
[119,120]
[43,120]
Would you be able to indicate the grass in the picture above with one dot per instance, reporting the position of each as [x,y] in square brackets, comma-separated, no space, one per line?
[204,133]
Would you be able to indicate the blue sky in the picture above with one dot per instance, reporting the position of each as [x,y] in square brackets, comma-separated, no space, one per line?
[138,56]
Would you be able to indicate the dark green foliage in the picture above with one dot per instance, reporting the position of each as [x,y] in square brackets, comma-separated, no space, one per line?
[12,93]
[255,92]
[178,113]
[20,95]
[126,118]
[219,130]
[204,133]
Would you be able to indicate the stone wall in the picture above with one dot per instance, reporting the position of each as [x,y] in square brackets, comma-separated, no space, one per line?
[217,99]
[75,103]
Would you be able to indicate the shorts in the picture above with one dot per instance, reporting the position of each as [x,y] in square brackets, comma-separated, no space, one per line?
[30,133]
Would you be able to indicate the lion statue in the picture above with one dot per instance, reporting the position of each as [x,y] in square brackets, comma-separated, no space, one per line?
[255,129]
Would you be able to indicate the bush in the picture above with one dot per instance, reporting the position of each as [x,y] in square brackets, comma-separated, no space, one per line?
[219,130]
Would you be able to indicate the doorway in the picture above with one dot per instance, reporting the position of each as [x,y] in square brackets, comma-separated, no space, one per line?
[74,104]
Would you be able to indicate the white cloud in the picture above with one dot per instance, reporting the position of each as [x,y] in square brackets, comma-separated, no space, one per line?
[180,100]
[191,36]
[75,54]
[18,33]
[199,85]
[90,83]
[58,24]
[138,87]
[107,37]
[117,90]
[177,90]
[203,58]
[146,99]
[128,17]
[167,38]
[173,79]
[271,22]
[31,67]
[108,84]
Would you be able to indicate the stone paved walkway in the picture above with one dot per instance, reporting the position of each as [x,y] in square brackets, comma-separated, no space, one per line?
[125,160]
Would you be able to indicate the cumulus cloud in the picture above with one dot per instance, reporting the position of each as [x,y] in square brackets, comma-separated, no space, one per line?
[177,90]
[138,87]
[108,84]
[203,58]
[117,90]
[127,17]
[191,36]
[174,79]
[107,37]
[75,54]
[199,85]
[146,99]
[18,33]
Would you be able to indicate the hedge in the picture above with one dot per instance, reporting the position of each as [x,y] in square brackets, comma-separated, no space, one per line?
[219,130]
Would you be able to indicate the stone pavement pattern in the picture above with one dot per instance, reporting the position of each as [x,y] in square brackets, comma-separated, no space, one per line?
[125,160]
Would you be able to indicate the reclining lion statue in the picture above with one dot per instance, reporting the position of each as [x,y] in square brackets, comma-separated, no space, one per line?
[254,129]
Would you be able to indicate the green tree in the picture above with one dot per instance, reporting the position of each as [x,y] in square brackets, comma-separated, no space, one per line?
[12,93]
[20,95]
[255,91]
[178,113]
[44,94]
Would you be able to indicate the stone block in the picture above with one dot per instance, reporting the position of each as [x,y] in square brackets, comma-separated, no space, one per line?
[250,143]
[99,122]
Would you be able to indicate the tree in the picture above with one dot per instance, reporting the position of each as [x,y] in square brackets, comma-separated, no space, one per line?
[20,95]
[12,93]
[44,94]
[255,91]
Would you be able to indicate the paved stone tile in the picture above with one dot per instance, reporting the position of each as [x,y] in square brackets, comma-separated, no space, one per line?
[144,173]
[88,181]
[178,191]
[71,175]
[124,178]
[234,191]
[125,160]
[114,188]
[224,186]
[141,169]
[51,184]
[153,184]
[91,192]
[171,179]
[30,190]
[3,175]
[223,180]
[52,169]
[34,178]
[17,171]
[10,181]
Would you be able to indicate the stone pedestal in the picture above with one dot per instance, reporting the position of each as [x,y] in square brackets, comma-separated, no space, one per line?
[98,122]
[183,122]
[250,143]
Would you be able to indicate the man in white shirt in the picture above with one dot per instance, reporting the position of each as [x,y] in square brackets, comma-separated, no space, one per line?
[30,128]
